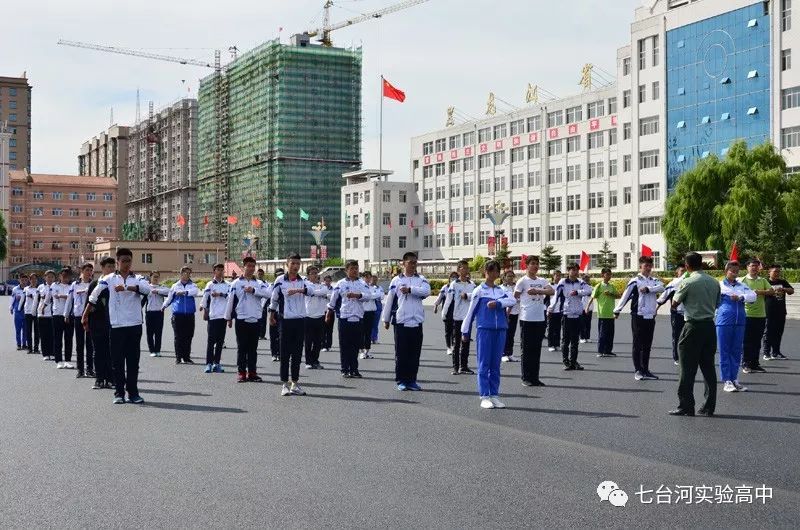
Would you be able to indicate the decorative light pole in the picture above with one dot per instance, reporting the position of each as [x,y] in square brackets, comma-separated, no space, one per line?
[497,214]
[318,232]
[248,240]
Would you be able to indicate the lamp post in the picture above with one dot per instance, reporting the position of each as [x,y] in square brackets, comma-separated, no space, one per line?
[497,214]
[249,237]
[318,232]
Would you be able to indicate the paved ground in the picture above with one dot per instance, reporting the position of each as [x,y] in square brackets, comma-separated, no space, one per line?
[205,451]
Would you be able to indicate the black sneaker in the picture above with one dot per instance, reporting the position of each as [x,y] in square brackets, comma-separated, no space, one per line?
[90,373]
[705,412]
[758,369]
[188,361]
[577,366]
[346,375]
[79,375]
[527,383]
[779,356]
[467,371]
[566,362]
[568,367]
[454,372]
[538,383]
[318,366]
[97,385]
[356,374]
[275,359]
[136,400]
[177,361]
[107,385]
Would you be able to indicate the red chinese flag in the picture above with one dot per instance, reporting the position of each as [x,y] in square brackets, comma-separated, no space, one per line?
[647,251]
[256,222]
[393,93]
[205,220]
[450,229]
[734,252]
[232,219]
[181,220]
[584,264]
[412,223]
[522,259]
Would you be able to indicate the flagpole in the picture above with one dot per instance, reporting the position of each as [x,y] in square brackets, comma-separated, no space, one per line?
[380,140]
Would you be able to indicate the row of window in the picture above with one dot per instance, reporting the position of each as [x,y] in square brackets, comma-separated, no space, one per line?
[55,245]
[12,92]
[402,196]
[655,52]
[386,242]
[58,195]
[57,229]
[59,212]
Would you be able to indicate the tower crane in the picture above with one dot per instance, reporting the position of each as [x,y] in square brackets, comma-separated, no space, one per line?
[324,32]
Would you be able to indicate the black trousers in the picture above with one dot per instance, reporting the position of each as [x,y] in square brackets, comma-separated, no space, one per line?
[448,332]
[315,329]
[569,339]
[605,335]
[697,346]
[46,336]
[407,349]
[32,333]
[125,359]
[366,329]
[262,322]
[350,337]
[59,351]
[293,333]
[183,327]
[642,330]
[460,349]
[216,339]
[776,322]
[586,325]
[83,343]
[101,341]
[327,334]
[510,333]
[532,337]
[275,337]
[155,328]
[676,321]
[753,332]
[246,346]
[554,330]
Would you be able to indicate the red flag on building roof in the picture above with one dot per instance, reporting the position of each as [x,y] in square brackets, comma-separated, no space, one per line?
[734,252]
[647,251]
[232,219]
[584,264]
[181,220]
[393,93]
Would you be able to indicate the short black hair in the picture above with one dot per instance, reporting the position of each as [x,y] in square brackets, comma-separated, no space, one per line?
[292,255]
[605,270]
[218,266]
[33,275]
[530,259]
[65,270]
[753,261]
[327,277]
[249,259]
[23,276]
[108,260]
[775,266]
[462,263]
[349,263]
[366,273]
[645,259]
[49,271]
[732,264]
[260,270]
[184,269]
[312,268]
[87,266]
[409,255]
[279,270]
[693,260]
[124,252]
[492,265]
[571,266]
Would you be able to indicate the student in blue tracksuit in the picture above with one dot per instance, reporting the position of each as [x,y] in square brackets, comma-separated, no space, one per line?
[730,321]
[488,307]
[18,310]
[378,292]
[181,298]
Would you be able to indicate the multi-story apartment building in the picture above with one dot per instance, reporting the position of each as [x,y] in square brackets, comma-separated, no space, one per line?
[58,218]
[15,111]
[106,155]
[598,166]
[162,176]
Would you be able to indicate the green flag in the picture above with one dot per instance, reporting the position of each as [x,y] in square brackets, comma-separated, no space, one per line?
[278,213]
[303,215]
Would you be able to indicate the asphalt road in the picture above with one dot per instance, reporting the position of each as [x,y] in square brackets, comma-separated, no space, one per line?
[207,452]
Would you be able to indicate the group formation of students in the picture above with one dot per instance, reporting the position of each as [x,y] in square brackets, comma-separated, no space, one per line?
[105,317]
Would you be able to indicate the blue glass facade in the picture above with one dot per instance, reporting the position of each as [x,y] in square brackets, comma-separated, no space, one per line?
[718,86]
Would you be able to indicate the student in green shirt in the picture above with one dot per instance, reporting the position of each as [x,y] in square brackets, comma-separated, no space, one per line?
[605,295]
[756,317]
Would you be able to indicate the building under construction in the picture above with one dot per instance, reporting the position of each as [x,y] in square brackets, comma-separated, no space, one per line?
[277,129]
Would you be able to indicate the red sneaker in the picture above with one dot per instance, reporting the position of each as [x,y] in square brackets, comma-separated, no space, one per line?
[242,378]
[253,377]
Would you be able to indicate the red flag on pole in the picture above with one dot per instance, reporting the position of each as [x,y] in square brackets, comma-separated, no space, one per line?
[522,259]
[393,93]
[181,220]
[450,229]
[734,252]
[256,222]
[412,223]
[584,264]
[232,219]
[647,251]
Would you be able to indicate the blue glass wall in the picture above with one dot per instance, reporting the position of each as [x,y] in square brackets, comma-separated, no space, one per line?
[718,86]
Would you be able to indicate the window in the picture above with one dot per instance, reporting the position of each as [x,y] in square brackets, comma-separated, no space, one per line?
[554,233]
[469,213]
[573,173]
[648,159]
[468,138]
[402,219]
[612,198]
[500,131]
[649,192]
[517,181]
[517,127]
[57,195]
[499,158]
[642,93]
[427,241]
[642,54]
[626,163]
[573,202]
[485,134]
[403,195]
[517,154]
[107,196]
[573,231]
[74,212]
[786,15]
[612,168]
[38,212]
[455,214]
[440,145]
[790,97]
[427,172]
[534,234]
[485,186]
[499,183]
[596,231]
[12,117]
[56,229]
[517,235]
[401,242]
[626,99]
[655,50]
[427,194]
[387,219]
[534,123]
[555,118]
[91,213]
[387,195]
[648,126]
[468,187]
[612,229]
[469,238]
[596,170]
[38,195]
[485,161]
[366,196]
[367,218]
[440,216]
[649,225]
[386,241]
[16,192]
[575,114]
[58,212]
[441,240]
[626,66]
[427,148]
[612,136]
[439,169]
[483,237]
[73,196]
[554,204]
[595,140]
[626,131]
[596,199]
[790,137]
[147,258]
[534,151]
[626,195]
[596,109]
[108,214]
[656,90]
[535,178]
[91,196]
[534,207]
[455,190]
[573,144]
[555,175]
[626,260]
[612,105]
[38,245]
[469,164]
[626,228]
[555,147]
[17,208]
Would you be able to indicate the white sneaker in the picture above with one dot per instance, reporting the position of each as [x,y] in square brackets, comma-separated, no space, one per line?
[497,403]
[325,349]
[309,366]
[60,366]
[362,356]
[551,349]
[449,351]
[296,390]
[486,403]
[285,390]
[47,358]
[69,366]
[729,387]
[367,355]
[512,359]
[740,387]
[676,363]
[506,359]
[153,355]
[582,341]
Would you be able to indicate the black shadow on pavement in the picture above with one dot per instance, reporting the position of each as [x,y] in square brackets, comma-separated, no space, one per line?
[173,392]
[364,399]
[192,408]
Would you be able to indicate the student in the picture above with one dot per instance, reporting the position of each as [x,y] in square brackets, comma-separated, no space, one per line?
[44,314]
[730,322]
[327,335]
[153,315]
[95,321]
[377,292]
[181,298]
[213,304]
[125,290]
[30,307]
[288,299]
[244,299]
[756,317]
[447,312]
[316,304]
[553,317]
[404,308]
[487,307]
[569,302]
[62,341]
[73,311]
[509,281]
[776,314]
[605,294]
[262,322]
[642,291]
[586,316]
[350,291]
[17,308]
[274,331]
[531,291]
[676,320]
[456,305]
[370,307]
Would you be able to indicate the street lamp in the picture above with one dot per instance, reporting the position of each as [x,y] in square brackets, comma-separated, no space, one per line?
[497,214]
[248,240]
[318,232]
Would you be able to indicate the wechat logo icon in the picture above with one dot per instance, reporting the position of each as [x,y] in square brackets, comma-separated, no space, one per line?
[609,491]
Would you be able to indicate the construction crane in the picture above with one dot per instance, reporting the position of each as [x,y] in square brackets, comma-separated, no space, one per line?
[324,32]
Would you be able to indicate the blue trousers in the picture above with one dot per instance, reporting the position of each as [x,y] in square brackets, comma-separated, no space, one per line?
[377,323]
[730,340]
[491,343]
[19,328]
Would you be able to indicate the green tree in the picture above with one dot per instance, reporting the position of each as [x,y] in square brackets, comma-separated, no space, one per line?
[605,260]
[549,260]
[770,245]
[333,262]
[476,263]
[503,255]
[3,239]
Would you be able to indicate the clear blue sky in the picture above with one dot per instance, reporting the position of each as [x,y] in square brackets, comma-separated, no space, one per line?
[441,53]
